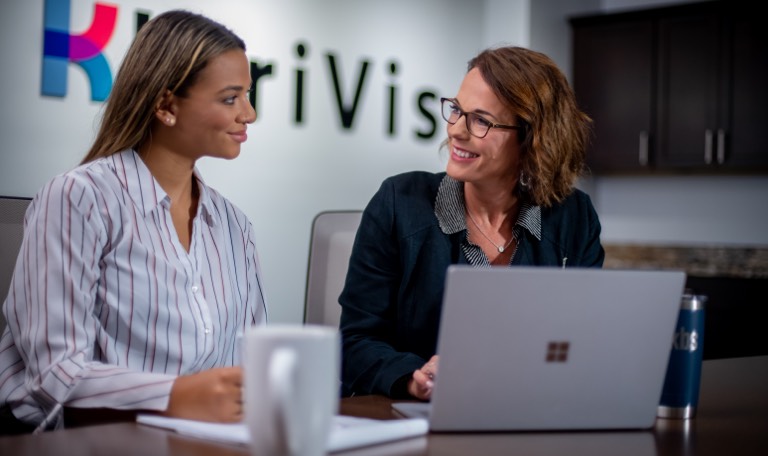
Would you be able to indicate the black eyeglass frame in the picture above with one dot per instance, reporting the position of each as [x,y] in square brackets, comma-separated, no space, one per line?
[466,119]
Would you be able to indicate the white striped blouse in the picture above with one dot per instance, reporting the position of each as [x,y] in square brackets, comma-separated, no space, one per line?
[106,307]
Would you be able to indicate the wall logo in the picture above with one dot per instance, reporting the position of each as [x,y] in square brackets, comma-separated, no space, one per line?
[60,48]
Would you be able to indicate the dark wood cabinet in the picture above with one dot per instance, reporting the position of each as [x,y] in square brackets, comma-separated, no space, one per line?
[691,74]
[677,88]
[747,138]
[734,315]
[613,79]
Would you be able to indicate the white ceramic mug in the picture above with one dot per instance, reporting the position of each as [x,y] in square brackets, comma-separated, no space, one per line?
[291,388]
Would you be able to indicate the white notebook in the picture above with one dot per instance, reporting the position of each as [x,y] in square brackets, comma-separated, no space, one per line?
[347,432]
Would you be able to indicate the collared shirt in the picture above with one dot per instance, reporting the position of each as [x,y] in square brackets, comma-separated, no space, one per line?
[450,209]
[106,307]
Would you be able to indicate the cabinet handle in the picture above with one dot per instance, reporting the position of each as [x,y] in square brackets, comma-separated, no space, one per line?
[708,146]
[720,146]
[642,157]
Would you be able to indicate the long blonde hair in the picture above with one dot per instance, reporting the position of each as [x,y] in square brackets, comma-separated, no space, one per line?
[167,55]
[557,133]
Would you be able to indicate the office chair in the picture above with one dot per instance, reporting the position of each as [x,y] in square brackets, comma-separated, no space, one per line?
[12,212]
[333,233]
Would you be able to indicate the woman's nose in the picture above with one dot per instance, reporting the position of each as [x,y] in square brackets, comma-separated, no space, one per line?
[249,115]
[458,128]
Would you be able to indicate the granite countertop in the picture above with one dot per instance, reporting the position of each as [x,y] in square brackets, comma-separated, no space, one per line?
[701,261]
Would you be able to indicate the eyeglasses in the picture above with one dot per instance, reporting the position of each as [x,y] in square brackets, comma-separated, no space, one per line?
[476,124]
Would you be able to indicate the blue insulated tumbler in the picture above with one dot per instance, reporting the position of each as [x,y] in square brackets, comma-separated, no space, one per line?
[680,394]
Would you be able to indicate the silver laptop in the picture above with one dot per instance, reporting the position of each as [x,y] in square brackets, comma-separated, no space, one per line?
[538,348]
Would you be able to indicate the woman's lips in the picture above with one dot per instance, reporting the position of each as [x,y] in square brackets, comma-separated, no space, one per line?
[240,137]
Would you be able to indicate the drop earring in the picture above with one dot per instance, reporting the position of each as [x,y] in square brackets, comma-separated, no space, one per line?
[524,180]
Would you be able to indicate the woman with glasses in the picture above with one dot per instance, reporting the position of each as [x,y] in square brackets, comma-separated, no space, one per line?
[516,146]
[135,279]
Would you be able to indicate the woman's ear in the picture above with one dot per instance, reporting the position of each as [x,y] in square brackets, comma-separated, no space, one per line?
[165,109]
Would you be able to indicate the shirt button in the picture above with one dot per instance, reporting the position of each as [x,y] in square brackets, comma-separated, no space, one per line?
[194,288]
[207,330]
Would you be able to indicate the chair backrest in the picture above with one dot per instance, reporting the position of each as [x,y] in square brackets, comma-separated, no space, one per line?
[12,212]
[333,233]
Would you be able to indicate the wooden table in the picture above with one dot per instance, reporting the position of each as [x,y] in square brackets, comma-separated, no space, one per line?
[732,419]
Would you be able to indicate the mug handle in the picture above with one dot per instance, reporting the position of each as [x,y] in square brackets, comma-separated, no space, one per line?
[282,379]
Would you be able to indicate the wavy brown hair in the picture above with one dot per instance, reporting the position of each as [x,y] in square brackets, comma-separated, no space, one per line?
[167,55]
[557,133]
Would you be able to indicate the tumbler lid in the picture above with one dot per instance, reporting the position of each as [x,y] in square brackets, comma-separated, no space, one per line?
[692,301]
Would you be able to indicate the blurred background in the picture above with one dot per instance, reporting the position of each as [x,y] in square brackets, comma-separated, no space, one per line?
[371,73]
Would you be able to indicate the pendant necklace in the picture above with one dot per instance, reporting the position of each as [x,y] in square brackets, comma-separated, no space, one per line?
[500,248]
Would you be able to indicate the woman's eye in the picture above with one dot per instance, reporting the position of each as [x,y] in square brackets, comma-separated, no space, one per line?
[230,100]
[481,122]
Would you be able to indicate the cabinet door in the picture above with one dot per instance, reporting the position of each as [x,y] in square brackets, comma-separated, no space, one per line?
[691,69]
[613,81]
[747,128]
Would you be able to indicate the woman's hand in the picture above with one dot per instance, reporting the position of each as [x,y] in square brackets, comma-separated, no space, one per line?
[421,384]
[212,395]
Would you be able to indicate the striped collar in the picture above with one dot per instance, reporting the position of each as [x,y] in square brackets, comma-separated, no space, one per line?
[144,190]
[450,210]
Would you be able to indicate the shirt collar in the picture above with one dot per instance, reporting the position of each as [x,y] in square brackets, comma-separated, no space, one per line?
[145,192]
[450,209]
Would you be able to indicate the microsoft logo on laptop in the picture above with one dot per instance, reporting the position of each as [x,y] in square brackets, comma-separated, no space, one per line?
[61,47]
[557,351]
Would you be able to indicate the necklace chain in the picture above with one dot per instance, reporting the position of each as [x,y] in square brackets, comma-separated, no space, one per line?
[500,248]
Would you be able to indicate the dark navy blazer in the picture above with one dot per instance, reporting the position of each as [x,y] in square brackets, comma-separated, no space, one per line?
[392,297]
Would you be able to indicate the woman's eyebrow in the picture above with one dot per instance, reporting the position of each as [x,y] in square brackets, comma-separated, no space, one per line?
[234,88]
[482,112]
